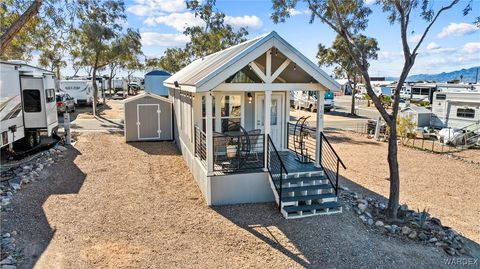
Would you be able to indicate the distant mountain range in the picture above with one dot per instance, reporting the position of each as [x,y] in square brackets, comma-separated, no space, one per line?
[468,76]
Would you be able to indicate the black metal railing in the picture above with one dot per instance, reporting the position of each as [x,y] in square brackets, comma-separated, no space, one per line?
[330,161]
[308,140]
[201,145]
[275,168]
[238,151]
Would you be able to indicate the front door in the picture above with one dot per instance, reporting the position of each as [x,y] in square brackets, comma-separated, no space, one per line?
[276,120]
[148,121]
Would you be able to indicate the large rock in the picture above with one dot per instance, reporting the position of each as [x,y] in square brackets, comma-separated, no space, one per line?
[379,223]
[406,230]
[362,207]
[422,236]
[412,235]
[61,148]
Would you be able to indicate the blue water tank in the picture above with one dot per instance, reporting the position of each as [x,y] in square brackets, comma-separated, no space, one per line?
[154,82]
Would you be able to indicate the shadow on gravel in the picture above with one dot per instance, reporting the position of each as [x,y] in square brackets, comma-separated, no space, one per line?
[153,148]
[335,241]
[27,216]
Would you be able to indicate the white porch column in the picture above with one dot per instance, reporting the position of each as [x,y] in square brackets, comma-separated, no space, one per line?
[209,132]
[267,125]
[320,103]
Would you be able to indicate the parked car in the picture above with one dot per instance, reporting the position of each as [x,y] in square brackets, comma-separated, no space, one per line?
[65,103]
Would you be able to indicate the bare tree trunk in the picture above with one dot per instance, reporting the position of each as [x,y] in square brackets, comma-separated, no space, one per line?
[353,102]
[393,199]
[13,30]
[95,91]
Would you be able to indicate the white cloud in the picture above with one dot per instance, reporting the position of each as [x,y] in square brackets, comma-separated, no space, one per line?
[296,12]
[471,47]
[433,46]
[178,21]
[253,22]
[144,8]
[457,29]
[414,38]
[370,2]
[163,40]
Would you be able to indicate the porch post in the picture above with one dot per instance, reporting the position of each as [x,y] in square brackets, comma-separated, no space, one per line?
[320,103]
[209,132]
[267,126]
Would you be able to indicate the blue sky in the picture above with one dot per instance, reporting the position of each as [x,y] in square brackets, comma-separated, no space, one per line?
[452,43]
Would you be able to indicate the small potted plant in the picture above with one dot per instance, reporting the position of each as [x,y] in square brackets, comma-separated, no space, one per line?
[232,149]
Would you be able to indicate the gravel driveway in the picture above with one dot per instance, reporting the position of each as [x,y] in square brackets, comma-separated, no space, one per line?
[115,205]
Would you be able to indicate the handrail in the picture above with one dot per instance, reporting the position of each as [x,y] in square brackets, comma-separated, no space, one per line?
[330,145]
[329,160]
[276,153]
[272,175]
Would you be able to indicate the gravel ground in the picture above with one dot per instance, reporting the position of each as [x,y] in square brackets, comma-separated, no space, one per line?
[447,187]
[112,110]
[115,205]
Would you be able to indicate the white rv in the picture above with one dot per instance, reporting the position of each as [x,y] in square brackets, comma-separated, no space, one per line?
[27,103]
[455,109]
[81,90]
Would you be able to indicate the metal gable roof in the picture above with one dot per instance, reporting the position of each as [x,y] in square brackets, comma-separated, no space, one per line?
[212,67]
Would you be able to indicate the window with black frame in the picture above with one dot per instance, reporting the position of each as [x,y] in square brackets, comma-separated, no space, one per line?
[466,113]
[31,101]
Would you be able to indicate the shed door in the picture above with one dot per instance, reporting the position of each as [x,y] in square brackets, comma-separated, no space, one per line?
[148,121]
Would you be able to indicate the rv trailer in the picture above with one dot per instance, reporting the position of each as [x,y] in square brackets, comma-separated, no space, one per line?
[455,109]
[27,103]
[81,90]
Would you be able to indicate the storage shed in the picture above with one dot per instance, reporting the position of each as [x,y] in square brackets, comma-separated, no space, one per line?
[148,117]
[154,82]
[420,115]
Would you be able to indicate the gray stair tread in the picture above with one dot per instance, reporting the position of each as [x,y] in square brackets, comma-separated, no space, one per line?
[294,179]
[306,188]
[291,209]
[309,197]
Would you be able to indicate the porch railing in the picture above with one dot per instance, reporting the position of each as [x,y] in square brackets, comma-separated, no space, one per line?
[201,145]
[330,161]
[276,168]
[238,152]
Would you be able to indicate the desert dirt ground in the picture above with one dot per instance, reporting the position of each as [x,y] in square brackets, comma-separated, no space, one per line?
[112,109]
[110,204]
[447,187]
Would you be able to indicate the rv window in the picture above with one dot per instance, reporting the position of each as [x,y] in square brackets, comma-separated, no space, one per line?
[441,96]
[31,101]
[466,113]
[50,95]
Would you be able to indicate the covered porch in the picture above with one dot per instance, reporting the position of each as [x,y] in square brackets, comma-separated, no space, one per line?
[233,118]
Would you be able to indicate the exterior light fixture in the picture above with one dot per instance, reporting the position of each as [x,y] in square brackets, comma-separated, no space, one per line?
[176,84]
[294,67]
[276,52]
[250,98]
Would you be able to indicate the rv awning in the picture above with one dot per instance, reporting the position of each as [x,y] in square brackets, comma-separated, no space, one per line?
[206,73]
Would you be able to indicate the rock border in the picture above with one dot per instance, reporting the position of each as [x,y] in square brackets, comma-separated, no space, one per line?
[412,225]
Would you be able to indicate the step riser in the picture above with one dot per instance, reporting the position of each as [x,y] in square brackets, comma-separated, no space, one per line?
[302,214]
[295,203]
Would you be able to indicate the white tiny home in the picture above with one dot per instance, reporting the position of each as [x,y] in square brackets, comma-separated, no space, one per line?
[232,115]
[27,103]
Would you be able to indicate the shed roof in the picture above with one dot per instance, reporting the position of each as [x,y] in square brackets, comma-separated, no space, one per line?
[157,73]
[147,94]
[417,109]
[214,66]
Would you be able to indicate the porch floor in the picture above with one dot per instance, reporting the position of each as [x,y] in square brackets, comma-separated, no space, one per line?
[289,160]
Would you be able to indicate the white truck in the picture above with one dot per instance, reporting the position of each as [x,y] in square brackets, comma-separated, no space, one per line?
[27,103]
[81,90]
